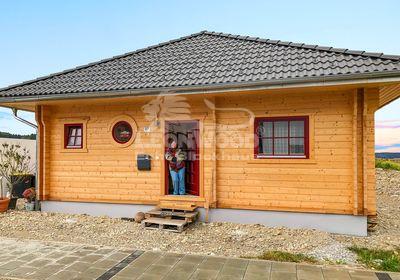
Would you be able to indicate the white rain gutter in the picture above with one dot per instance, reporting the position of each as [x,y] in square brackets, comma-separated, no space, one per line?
[15,114]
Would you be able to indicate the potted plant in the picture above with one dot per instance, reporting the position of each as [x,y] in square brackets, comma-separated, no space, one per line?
[29,195]
[14,164]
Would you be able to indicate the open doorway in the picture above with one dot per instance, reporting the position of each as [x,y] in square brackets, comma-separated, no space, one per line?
[186,135]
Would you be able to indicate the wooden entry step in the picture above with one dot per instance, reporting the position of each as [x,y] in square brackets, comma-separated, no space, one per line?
[188,216]
[177,205]
[165,224]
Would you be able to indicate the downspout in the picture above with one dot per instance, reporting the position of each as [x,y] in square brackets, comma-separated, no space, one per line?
[15,114]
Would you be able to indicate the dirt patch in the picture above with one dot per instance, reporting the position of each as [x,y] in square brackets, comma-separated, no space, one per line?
[224,239]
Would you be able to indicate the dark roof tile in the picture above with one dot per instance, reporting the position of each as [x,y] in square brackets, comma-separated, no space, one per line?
[207,58]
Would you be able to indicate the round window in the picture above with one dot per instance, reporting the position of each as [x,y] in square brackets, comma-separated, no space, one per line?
[122,132]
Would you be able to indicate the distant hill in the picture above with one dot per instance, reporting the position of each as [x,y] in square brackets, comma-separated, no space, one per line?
[387,155]
[17,136]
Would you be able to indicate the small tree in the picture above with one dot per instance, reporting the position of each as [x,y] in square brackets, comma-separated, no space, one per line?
[14,160]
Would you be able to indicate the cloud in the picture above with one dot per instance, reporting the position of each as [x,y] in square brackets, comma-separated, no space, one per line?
[387,136]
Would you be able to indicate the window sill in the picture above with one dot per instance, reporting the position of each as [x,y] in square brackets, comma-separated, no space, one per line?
[282,160]
[83,150]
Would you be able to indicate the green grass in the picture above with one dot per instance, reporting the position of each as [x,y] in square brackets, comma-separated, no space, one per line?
[387,164]
[378,259]
[286,257]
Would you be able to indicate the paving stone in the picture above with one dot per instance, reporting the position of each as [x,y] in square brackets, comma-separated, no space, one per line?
[167,260]
[79,266]
[205,274]
[131,274]
[257,276]
[29,257]
[55,255]
[158,269]
[67,260]
[22,272]
[39,262]
[82,253]
[394,276]
[91,258]
[117,256]
[91,248]
[104,251]
[93,272]
[286,267]
[178,276]
[183,267]
[237,263]
[192,259]
[7,258]
[12,265]
[121,278]
[282,275]
[149,277]
[363,275]
[64,275]
[232,271]
[310,274]
[210,265]
[105,263]
[335,274]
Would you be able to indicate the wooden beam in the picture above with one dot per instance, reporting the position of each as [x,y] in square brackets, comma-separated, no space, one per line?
[365,153]
[355,153]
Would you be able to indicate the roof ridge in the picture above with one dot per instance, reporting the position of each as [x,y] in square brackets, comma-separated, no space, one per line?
[306,46]
[83,66]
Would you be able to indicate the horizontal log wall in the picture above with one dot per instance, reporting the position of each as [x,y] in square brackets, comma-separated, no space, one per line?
[107,173]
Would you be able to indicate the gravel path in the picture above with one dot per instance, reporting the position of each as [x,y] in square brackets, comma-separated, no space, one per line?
[223,239]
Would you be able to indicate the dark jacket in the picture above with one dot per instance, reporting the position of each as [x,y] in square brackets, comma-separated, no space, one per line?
[176,158]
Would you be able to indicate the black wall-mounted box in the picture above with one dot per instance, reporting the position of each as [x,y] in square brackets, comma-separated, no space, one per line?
[144,162]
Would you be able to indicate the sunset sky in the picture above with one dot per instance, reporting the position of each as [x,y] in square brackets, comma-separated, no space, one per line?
[42,37]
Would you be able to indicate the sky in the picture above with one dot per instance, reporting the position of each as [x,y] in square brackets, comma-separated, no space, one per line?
[41,37]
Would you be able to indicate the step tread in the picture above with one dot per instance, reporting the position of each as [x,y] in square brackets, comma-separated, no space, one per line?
[173,222]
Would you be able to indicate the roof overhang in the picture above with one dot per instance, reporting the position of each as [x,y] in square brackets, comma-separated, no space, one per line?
[359,80]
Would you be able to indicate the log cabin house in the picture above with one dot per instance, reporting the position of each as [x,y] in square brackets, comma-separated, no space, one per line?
[276,133]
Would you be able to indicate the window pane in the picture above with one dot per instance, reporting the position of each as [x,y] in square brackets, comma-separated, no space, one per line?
[297,146]
[71,141]
[297,129]
[72,131]
[281,129]
[265,146]
[265,129]
[78,141]
[78,131]
[281,146]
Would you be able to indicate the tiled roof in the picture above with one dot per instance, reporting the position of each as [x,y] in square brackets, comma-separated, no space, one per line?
[205,59]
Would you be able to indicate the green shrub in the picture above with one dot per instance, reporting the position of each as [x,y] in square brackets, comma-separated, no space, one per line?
[387,164]
[378,259]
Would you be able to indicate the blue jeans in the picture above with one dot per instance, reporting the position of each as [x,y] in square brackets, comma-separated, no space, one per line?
[178,181]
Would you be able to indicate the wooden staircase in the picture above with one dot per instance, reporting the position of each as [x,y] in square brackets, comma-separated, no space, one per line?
[171,215]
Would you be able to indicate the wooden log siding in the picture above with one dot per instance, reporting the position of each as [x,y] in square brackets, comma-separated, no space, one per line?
[324,183]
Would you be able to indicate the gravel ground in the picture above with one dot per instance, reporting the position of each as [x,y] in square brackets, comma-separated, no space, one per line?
[224,239]
[387,233]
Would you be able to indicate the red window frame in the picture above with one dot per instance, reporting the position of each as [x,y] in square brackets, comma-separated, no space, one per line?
[257,122]
[115,137]
[67,136]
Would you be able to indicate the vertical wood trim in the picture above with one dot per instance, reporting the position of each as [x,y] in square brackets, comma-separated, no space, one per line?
[214,157]
[365,154]
[355,153]
[162,163]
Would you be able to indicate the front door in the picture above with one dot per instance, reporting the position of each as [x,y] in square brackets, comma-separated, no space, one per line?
[186,135]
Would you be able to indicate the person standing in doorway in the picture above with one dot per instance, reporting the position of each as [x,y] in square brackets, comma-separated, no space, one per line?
[176,159]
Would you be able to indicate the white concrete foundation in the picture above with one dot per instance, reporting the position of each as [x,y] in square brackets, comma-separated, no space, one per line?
[343,224]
